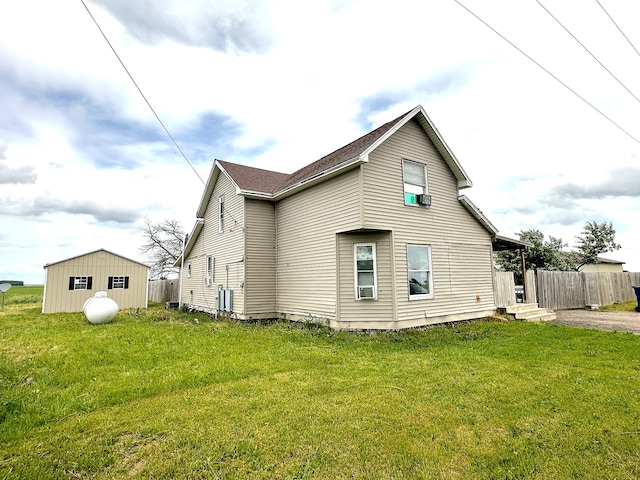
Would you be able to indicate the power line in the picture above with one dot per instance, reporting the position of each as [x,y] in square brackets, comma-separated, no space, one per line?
[619,29]
[587,50]
[140,91]
[548,72]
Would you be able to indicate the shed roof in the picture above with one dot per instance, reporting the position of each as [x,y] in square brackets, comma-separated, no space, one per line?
[91,253]
[608,260]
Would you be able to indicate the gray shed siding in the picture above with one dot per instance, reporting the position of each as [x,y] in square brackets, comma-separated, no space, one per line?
[99,265]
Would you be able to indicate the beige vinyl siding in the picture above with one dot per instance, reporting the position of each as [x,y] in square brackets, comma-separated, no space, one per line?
[100,266]
[227,248]
[260,262]
[306,247]
[365,314]
[461,247]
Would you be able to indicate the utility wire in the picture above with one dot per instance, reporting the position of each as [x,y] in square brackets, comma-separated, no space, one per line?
[140,91]
[548,72]
[587,50]
[614,22]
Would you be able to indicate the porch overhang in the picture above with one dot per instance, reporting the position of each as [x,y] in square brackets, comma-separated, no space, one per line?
[501,243]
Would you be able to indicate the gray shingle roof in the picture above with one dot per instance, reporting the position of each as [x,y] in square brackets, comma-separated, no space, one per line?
[267,181]
[254,179]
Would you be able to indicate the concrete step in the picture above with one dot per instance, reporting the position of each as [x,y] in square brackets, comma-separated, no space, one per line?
[530,312]
[512,309]
[541,317]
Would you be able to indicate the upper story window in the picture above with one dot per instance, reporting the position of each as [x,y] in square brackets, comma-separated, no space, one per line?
[414,175]
[80,283]
[189,270]
[117,283]
[365,271]
[419,271]
[221,214]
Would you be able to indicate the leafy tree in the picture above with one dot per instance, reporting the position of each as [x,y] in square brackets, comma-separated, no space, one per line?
[596,238]
[163,244]
[541,255]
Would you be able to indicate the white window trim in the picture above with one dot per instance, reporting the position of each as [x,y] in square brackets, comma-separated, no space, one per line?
[221,214]
[421,296]
[189,270]
[209,270]
[81,282]
[355,271]
[418,189]
[120,283]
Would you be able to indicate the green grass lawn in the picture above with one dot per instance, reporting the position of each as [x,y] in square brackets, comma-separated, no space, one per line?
[159,395]
[621,307]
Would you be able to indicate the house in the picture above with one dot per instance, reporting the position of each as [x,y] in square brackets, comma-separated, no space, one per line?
[603,265]
[69,283]
[372,236]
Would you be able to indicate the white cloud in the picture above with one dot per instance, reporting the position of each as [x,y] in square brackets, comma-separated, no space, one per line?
[279,84]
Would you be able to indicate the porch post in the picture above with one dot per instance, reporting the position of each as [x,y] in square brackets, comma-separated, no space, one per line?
[524,276]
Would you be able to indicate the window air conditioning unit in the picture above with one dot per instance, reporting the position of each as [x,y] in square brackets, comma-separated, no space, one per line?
[424,200]
[366,292]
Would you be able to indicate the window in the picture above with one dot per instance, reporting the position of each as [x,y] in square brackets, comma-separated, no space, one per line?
[415,183]
[118,283]
[365,270]
[221,214]
[189,270]
[80,283]
[419,271]
[210,267]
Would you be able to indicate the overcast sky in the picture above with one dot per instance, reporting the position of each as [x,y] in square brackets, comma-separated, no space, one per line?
[278,84]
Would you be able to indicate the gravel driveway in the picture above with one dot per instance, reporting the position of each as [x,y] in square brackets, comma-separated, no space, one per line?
[600,320]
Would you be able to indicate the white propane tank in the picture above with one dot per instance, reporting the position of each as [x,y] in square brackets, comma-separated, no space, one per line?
[100,308]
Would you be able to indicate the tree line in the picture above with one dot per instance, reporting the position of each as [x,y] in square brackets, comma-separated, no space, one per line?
[595,239]
[164,242]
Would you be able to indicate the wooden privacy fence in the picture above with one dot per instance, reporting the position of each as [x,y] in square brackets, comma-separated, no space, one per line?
[504,288]
[164,290]
[566,290]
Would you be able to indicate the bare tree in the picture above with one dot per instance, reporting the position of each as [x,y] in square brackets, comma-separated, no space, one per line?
[163,246]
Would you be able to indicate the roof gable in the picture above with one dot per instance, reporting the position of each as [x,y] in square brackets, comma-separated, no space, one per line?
[274,185]
[91,253]
[270,185]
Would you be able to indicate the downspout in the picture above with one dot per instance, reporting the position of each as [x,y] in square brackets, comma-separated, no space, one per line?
[275,218]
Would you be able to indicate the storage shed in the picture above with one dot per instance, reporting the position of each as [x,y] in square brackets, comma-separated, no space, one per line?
[69,283]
